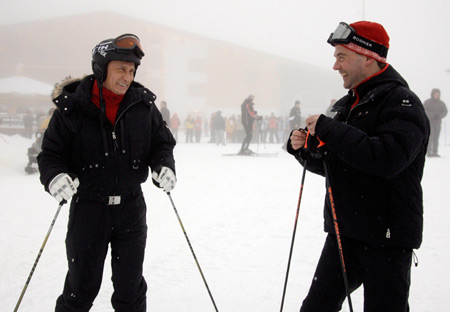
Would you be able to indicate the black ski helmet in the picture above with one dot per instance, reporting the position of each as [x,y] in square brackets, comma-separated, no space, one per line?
[126,47]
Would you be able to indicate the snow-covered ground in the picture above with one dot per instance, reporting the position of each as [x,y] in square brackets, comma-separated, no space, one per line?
[239,214]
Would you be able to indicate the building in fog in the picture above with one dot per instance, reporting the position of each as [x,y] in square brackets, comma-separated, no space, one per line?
[193,73]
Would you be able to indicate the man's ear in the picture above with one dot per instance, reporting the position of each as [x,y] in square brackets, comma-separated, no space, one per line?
[370,61]
[372,65]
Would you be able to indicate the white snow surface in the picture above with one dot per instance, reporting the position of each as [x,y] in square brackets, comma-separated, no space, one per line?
[239,214]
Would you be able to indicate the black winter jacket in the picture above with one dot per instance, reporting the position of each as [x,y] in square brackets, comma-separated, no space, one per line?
[375,159]
[248,114]
[113,160]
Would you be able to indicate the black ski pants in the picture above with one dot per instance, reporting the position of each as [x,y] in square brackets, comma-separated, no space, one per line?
[93,226]
[384,273]
[248,137]
[435,131]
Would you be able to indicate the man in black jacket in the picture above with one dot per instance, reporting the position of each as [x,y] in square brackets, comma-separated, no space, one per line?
[165,112]
[295,116]
[248,117]
[104,135]
[374,157]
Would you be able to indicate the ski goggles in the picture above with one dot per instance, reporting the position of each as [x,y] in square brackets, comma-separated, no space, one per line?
[125,43]
[345,34]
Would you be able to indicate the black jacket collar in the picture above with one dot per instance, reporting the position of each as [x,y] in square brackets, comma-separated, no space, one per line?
[384,80]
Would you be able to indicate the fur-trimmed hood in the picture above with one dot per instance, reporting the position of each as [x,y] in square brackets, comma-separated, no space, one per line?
[59,86]
[72,92]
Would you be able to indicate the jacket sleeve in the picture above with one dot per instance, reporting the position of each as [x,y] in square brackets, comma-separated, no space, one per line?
[55,155]
[162,143]
[394,145]
[443,111]
[250,111]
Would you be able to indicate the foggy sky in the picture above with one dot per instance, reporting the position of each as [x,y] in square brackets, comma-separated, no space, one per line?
[291,28]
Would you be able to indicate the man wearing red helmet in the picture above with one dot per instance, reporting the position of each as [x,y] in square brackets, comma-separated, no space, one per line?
[104,135]
[373,161]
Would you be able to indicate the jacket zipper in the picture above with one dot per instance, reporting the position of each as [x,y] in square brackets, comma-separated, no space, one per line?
[116,145]
[388,230]
[357,105]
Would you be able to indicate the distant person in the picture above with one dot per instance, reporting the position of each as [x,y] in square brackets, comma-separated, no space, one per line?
[230,129]
[330,110]
[436,110]
[44,120]
[239,130]
[175,125]
[261,130]
[373,161]
[248,117]
[284,129]
[205,127]
[35,148]
[295,116]
[272,126]
[198,129]
[101,141]
[165,112]
[212,136]
[189,123]
[219,128]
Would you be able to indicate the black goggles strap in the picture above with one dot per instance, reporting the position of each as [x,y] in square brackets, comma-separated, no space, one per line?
[379,49]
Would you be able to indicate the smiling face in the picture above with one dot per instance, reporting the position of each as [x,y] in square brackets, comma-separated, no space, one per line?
[352,66]
[119,77]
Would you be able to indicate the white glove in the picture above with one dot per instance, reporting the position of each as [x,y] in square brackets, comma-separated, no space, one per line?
[63,187]
[166,179]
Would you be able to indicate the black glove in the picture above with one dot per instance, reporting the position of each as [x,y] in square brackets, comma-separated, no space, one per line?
[314,146]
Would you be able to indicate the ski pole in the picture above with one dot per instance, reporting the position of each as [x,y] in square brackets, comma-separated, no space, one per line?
[293,235]
[259,136]
[192,250]
[338,236]
[39,254]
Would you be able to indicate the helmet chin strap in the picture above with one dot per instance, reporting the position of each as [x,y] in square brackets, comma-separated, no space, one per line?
[102,103]
[103,117]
